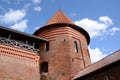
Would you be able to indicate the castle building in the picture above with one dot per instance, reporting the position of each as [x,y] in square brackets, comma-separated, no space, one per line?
[56,51]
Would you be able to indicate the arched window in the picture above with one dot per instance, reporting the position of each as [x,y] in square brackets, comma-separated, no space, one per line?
[75,47]
[44,67]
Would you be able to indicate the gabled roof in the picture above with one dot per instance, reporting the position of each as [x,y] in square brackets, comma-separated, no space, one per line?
[59,17]
[106,63]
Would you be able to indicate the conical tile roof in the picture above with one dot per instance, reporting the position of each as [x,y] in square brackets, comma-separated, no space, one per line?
[59,17]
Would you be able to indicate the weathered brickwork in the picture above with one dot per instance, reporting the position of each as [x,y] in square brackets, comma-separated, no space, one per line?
[18,53]
[16,64]
[61,57]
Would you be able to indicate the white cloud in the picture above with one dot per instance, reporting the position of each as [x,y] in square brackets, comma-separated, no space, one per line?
[96,54]
[21,26]
[37,8]
[26,6]
[113,30]
[36,28]
[94,28]
[12,16]
[106,19]
[36,1]
[97,28]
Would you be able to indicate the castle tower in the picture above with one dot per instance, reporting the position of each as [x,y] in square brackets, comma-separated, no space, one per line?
[67,51]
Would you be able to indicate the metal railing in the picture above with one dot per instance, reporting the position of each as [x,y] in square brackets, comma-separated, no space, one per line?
[18,44]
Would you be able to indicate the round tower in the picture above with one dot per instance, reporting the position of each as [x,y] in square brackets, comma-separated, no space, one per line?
[67,51]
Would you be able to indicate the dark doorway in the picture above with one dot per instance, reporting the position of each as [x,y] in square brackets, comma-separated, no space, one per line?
[44,67]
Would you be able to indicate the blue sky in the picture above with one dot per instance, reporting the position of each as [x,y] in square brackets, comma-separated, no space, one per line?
[101,18]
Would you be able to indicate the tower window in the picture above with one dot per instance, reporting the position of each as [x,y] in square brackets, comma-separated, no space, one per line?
[75,47]
[47,46]
[44,67]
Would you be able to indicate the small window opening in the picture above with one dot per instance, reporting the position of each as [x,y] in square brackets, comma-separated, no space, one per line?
[64,40]
[75,47]
[47,46]
[44,67]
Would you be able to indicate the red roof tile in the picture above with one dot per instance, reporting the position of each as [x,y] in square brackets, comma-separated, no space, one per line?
[100,64]
[59,17]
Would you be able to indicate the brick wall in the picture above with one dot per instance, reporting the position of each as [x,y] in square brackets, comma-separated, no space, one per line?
[17,64]
[62,60]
